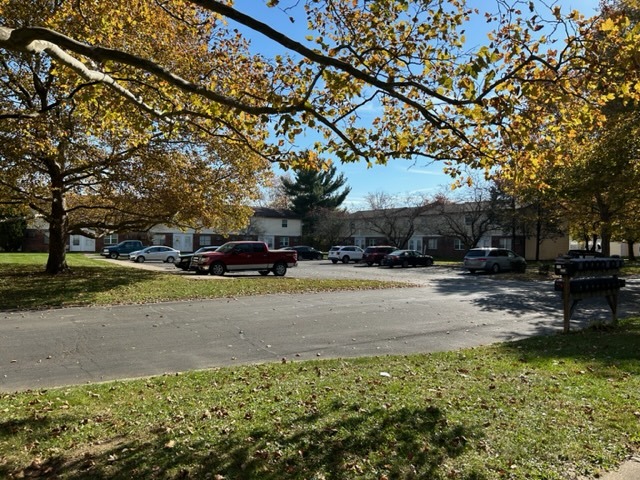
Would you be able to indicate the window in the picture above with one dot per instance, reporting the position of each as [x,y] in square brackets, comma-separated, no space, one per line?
[415,244]
[285,223]
[505,243]
[432,244]
[205,240]
[468,220]
[457,244]
[75,240]
[111,239]
[371,242]
[284,241]
[45,238]
[159,239]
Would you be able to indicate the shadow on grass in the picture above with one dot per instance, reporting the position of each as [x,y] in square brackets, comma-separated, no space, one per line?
[29,287]
[345,443]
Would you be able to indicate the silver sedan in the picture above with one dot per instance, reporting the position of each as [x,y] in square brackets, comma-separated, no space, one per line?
[156,253]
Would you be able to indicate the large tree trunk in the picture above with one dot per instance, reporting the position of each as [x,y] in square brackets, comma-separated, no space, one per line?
[57,261]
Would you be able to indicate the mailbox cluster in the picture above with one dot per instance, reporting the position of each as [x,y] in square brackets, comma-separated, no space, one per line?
[594,284]
[573,266]
[597,277]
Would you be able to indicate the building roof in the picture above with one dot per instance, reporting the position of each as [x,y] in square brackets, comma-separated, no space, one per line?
[266,212]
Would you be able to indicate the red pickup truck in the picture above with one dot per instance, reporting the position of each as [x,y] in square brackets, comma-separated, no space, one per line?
[240,256]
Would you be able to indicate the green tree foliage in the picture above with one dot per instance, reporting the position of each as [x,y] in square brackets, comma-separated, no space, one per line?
[312,191]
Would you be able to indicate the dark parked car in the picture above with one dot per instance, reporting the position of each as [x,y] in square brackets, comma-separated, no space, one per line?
[376,253]
[493,260]
[184,260]
[123,248]
[407,258]
[306,253]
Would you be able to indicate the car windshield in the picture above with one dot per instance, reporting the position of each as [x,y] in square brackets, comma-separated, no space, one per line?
[397,252]
[206,249]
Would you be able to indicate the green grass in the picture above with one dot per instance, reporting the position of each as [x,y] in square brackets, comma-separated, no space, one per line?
[24,285]
[543,408]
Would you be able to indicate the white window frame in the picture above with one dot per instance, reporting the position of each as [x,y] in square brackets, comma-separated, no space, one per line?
[457,244]
[110,239]
[284,242]
[432,244]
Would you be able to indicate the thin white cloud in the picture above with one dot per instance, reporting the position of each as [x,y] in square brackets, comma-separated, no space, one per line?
[420,171]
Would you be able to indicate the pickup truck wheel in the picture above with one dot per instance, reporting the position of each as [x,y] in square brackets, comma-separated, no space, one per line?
[263,272]
[279,269]
[113,255]
[216,268]
[140,259]
[345,259]
[334,261]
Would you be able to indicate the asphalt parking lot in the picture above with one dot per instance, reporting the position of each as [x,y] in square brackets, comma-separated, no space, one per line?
[327,269]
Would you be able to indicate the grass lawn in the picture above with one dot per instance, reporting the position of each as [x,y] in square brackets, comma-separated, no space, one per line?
[549,408]
[25,286]
[543,408]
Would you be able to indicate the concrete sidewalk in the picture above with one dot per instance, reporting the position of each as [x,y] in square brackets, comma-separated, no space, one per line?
[629,470]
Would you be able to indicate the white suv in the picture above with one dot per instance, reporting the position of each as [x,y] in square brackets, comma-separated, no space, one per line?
[345,254]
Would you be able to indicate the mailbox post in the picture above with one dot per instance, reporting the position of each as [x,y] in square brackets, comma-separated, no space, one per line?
[586,278]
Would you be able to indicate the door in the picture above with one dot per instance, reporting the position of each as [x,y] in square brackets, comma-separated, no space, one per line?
[247,256]
[183,242]
[80,243]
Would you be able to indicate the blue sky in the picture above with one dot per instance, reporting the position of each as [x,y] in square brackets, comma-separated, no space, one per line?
[398,177]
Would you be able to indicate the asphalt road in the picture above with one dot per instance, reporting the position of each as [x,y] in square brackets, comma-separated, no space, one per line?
[450,309]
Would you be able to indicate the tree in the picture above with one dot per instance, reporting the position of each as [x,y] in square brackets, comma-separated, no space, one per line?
[577,143]
[274,194]
[468,216]
[526,213]
[332,227]
[90,163]
[313,192]
[407,60]
[397,219]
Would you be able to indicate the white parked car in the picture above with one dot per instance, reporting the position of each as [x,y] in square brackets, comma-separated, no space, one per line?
[345,254]
[156,253]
